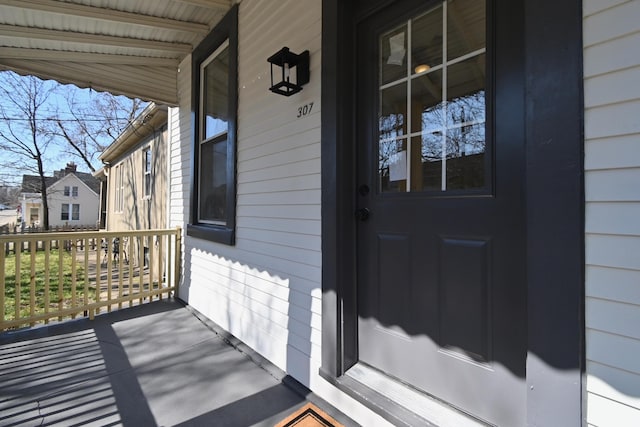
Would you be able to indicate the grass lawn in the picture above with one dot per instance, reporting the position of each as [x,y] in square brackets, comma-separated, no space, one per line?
[56,294]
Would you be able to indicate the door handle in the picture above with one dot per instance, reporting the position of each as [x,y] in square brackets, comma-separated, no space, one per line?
[363,214]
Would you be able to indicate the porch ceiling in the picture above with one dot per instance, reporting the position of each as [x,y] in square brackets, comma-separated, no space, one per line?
[129,47]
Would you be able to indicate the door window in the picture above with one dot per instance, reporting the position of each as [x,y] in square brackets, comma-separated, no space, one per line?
[432,108]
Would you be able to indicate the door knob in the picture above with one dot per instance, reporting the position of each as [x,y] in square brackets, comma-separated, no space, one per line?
[363,214]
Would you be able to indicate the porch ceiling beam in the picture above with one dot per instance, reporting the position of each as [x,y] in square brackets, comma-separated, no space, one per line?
[84,57]
[75,9]
[212,4]
[95,39]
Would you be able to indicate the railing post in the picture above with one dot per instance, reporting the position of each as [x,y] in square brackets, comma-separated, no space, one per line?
[178,265]
[2,285]
[47,277]
[18,284]
[32,282]
[60,281]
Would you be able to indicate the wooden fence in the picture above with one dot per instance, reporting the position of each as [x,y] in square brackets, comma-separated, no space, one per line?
[13,228]
[70,274]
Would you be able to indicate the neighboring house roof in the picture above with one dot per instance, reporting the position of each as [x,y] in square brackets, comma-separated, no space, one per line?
[102,44]
[86,178]
[151,118]
[31,183]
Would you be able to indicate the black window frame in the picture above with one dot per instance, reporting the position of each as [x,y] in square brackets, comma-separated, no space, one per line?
[227,29]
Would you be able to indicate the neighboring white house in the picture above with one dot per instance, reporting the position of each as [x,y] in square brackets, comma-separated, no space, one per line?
[72,197]
[441,226]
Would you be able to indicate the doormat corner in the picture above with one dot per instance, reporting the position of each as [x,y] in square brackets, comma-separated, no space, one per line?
[309,416]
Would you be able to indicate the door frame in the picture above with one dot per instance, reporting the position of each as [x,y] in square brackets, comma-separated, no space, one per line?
[554,186]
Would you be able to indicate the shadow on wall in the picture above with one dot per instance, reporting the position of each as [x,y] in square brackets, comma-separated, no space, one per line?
[131,217]
[267,310]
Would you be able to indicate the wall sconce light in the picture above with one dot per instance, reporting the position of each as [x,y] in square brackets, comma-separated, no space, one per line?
[287,60]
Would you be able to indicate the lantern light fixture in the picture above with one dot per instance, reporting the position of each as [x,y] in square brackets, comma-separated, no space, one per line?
[286,60]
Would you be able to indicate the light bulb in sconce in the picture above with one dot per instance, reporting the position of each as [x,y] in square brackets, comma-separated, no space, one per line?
[421,68]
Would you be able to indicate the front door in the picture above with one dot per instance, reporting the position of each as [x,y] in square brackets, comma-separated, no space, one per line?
[440,149]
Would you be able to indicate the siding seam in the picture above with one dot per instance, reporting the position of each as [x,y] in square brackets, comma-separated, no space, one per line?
[617,368]
[592,76]
[612,233]
[598,298]
[611,39]
[599,11]
[611,333]
[613,400]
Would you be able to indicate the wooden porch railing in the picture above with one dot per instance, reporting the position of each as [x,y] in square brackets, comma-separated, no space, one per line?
[70,274]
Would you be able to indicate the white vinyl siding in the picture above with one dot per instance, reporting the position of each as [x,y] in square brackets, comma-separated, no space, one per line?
[137,198]
[181,137]
[266,289]
[612,192]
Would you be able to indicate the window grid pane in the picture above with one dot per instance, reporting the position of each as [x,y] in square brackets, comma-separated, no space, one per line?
[213,182]
[216,95]
[440,119]
[64,214]
[119,190]
[75,213]
[212,175]
[147,172]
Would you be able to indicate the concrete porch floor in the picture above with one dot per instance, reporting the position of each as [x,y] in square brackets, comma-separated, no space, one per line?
[152,365]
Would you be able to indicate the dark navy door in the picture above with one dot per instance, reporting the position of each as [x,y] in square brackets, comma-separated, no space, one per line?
[440,149]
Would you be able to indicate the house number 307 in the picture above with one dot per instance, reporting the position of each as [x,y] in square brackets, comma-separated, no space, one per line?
[305,110]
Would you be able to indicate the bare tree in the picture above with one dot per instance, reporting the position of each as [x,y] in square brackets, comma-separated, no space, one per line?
[23,139]
[94,126]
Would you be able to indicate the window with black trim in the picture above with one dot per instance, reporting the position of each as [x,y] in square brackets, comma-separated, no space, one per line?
[214,85]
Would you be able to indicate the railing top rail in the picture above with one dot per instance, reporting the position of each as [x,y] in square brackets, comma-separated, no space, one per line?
[67,235]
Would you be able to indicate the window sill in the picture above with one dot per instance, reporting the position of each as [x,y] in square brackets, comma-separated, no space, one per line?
[218,234]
